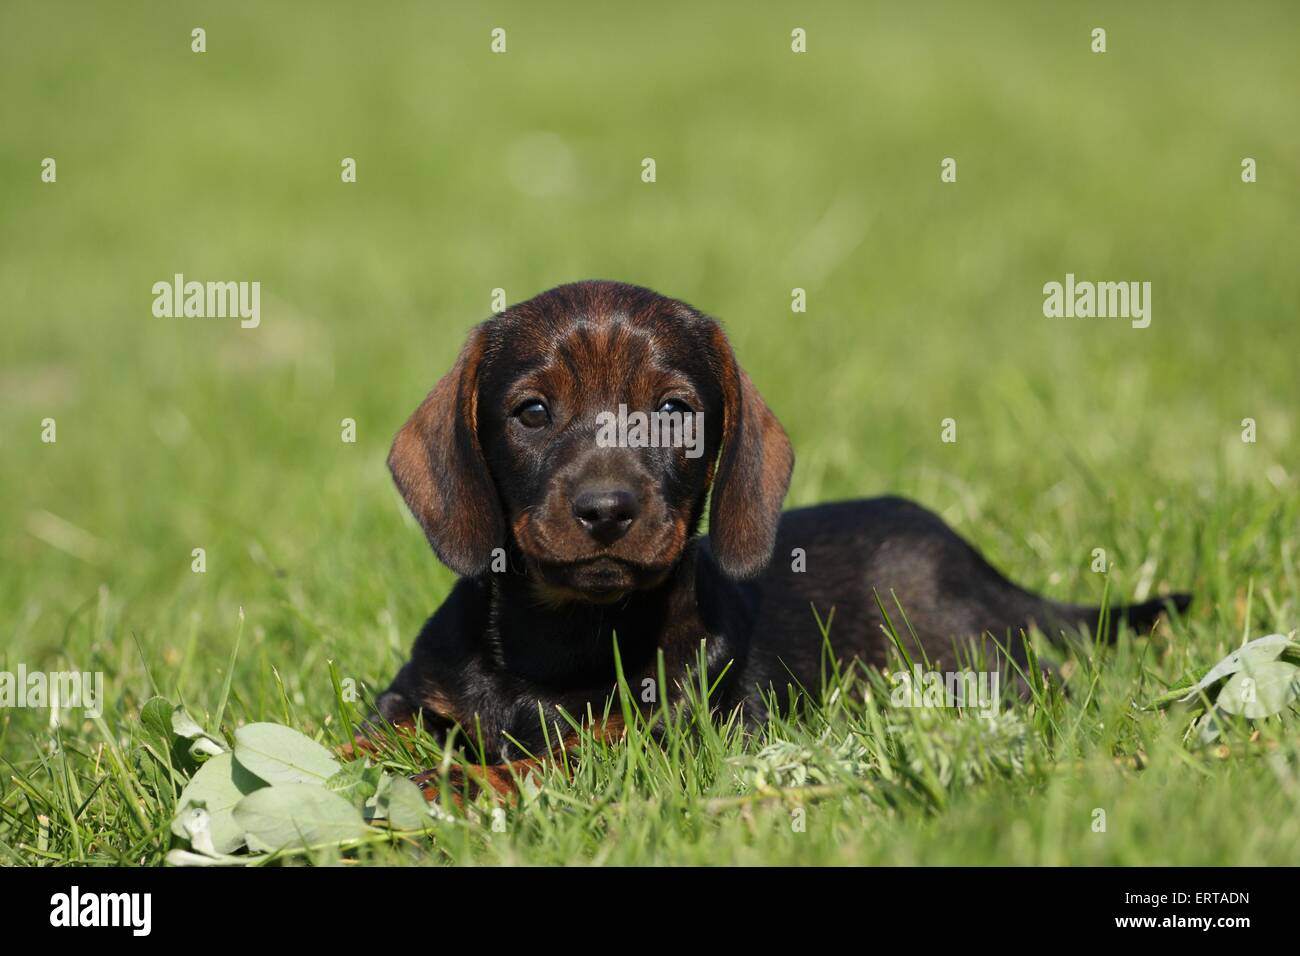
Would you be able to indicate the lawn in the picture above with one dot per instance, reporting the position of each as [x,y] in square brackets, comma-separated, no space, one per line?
[774,170]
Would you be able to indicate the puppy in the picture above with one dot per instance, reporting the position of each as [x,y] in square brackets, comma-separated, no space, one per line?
[564,540]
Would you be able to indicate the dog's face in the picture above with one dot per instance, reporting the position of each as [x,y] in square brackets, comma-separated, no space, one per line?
[585,427]
[595,512]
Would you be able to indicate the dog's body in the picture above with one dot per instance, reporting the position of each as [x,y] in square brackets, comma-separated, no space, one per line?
[565,544]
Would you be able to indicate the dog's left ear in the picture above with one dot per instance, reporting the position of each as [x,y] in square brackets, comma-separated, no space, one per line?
[753,473]
[439,468]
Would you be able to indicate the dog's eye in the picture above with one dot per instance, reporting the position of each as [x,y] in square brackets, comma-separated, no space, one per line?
[671,405]
[533,414]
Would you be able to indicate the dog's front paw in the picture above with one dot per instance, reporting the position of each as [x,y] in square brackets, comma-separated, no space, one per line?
[376,735]
[499,780]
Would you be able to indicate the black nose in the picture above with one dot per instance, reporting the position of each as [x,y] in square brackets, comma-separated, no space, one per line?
[605,514]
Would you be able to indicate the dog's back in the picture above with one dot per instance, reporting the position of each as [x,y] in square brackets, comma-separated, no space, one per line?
[847,556]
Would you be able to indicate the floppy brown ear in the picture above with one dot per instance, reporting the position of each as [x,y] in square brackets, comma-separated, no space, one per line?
[438,465]
[753,474]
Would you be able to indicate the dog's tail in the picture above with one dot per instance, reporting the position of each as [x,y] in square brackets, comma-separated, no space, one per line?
[1140,618]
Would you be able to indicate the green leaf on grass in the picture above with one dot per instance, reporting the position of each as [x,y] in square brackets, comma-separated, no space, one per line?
[405,805]
[356,781]
[1258,651]
[376,805]
[217,787]
[201,742]
[1208,726]
[156,716]
[297,815]
[1260,689]
[280,754]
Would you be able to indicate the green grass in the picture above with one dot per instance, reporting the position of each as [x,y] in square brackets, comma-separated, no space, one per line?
[775,171]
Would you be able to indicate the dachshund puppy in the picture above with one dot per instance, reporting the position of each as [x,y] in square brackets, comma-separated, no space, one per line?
[564,540]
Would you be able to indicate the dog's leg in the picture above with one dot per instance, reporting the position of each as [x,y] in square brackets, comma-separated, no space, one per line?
[392,711]
[365,744]
[502,780]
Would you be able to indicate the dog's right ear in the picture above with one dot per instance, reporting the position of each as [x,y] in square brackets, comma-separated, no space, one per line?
[438,465]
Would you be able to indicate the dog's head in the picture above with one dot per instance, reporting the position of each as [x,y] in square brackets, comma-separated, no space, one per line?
[586,426]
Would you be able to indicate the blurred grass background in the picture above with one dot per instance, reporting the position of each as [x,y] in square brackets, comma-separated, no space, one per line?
[522,171]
